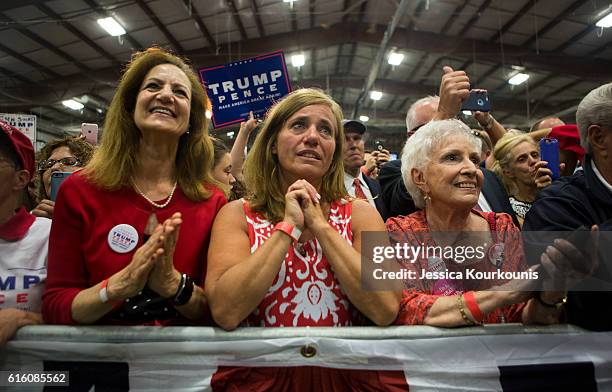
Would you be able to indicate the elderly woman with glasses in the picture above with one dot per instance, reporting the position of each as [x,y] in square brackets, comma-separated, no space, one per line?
[69,154]
[440,167]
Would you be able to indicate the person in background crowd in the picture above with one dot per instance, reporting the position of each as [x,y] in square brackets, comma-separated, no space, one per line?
[238,149]
[357,184]
[289,254]
[23,237]
[517,161]
[546,123]
[110,261]
[454,89]
[66,155]
[440,166]
[487,146]
[222,166]
[583,201]
[570,151]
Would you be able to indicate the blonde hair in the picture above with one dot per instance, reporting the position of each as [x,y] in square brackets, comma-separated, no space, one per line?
[261,175]
[503,156]
[114,162]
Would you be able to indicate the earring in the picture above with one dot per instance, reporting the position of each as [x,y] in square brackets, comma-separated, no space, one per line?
[427,198]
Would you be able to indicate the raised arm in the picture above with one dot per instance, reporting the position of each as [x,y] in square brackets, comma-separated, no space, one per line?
[237,153]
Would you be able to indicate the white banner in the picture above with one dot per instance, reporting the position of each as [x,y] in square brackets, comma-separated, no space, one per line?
[26,123]
[431,359]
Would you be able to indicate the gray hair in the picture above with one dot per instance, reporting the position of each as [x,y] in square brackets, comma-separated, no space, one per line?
[595,108]
[410,116]
[419,148]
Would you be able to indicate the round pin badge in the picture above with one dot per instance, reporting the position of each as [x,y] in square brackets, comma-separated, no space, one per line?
[123,238]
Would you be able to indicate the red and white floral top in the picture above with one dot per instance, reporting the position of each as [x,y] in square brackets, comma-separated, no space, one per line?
[305,292]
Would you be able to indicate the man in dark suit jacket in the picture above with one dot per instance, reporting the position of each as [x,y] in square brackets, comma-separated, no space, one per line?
[356,183]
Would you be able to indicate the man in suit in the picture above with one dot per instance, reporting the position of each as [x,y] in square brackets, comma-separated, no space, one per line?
[357,184]
[454,89]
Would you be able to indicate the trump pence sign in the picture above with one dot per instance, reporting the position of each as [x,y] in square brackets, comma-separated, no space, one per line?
[247,85]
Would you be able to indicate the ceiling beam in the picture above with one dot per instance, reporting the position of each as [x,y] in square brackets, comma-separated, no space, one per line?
[255,10]
[77,33]
[236,17]
[601,70]
[162,27]
[193,13]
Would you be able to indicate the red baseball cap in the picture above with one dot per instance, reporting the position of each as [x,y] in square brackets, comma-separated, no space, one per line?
[569,139]
[22,146]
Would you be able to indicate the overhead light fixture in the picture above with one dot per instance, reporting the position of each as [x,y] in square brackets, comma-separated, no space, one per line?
[519,78]
[111,26]
[72,104]
[375,95]
[230,134]
[208,114]
[605,22]
[297,60]
[395,58]
[364,118]
[467,112]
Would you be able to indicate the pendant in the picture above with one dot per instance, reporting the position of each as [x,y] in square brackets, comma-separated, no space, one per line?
[152,223]
[300,248]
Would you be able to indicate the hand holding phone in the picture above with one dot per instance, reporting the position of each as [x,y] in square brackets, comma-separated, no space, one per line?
[90,132]
[56,180]
[478,101]
[549,152]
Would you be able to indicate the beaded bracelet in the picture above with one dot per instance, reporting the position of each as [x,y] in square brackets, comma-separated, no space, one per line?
[464,315]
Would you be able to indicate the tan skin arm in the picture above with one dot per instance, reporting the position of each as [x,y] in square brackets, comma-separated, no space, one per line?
[236,280]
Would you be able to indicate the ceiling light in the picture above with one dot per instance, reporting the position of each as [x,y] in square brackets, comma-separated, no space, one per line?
[230,134]
[298,60]
[606,21]
[395,58]
[111,26]
[519,78]
[375,95]
[467,112]
[72,104]
[364,118]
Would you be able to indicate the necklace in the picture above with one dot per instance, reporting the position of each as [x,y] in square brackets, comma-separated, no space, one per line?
[154,204]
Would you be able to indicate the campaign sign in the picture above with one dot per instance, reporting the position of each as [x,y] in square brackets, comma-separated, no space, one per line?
[26,123]
[247,85]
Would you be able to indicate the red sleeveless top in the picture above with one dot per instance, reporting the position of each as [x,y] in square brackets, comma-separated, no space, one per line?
[305,292]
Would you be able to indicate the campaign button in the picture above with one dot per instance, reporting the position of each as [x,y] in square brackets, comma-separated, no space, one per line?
[122,238]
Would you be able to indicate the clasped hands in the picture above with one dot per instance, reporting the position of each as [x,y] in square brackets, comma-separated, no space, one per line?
[303,207]
[152,265]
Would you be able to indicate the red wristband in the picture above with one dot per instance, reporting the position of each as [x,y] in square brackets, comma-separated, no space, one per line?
[472,305]
[288,229]
[103,294]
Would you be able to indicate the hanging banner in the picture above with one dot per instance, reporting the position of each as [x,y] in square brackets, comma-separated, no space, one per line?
[488,358]
[252,84]
[26,123]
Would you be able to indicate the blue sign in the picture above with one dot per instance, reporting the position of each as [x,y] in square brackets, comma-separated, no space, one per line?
[253,84]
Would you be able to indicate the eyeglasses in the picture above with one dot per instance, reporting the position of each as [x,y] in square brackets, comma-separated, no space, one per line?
[413,130]
[49,163]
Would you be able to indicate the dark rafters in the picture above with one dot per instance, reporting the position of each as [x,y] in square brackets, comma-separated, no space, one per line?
[161,26]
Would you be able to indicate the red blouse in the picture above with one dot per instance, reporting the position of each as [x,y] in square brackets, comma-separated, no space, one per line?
[421,294]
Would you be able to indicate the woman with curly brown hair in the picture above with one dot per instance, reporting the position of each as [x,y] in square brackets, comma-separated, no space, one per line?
[68,154]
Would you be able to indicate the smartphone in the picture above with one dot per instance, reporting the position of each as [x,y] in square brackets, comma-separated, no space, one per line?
[478,101]
[56,180]
[379,146]
[90,131]
[549,152]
